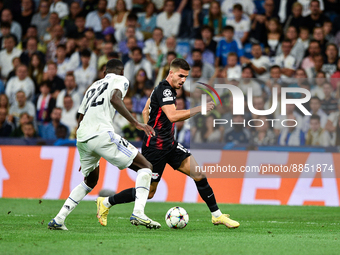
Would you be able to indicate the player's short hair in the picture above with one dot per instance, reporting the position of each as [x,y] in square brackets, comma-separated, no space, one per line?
[179,63]
[315,117]
[238,7]
[114,66]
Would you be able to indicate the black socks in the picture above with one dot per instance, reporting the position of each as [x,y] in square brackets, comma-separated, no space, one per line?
[207,194]
[125,196]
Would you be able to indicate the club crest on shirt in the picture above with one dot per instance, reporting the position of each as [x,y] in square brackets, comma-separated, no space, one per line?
[126,86]
[167,93]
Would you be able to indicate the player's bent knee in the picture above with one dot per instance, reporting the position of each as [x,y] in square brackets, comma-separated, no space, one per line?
[199,176]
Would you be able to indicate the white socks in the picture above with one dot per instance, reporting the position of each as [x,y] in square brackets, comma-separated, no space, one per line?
[142,190]
[106,202]
[77,194]
[217,213]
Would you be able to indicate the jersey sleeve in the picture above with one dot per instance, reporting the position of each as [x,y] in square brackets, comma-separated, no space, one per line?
[165,97]
[82,106]
[120,83]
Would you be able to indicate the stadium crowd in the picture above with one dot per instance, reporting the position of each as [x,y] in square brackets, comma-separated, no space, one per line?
[52,50]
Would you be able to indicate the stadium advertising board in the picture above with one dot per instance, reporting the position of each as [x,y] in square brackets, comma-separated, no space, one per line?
[52,172]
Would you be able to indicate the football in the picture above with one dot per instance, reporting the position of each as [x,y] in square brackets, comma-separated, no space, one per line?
[177,217]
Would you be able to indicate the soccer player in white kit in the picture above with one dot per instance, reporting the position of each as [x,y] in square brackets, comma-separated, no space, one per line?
[96,138]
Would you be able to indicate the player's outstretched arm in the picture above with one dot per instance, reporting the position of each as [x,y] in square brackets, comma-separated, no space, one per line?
[118,104]
[179,115]
[145,112]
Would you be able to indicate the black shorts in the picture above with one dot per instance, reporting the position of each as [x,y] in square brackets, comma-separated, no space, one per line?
[159,158]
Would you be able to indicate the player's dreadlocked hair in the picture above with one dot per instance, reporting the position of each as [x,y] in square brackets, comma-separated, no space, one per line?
[179,63]
[114,66]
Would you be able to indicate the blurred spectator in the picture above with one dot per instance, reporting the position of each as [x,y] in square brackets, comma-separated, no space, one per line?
[148,20]
[16,63]
[298,48]
[215,19]
[206,54]
[247,5]
[291,135]
[319,80]
[93,19]
[25,17]
[330,64]
[5,127]
[69,114]
[295,18]
[53,22]
[304,37]
[85,74]
[329,104]
[208,133]
[108,31]
[137,62]
[154,46]
[240,22]
[320,37]
[28,130]
[327,31]
[83,44]
[106,49]
[36,70]
[45,103]
[314,70]
[57,84]
[112,3]
[316,135]
[274,36]
[21,82]
[59,7]
[70,90]
[207,34]
[291,113]
[4,31]
[259,64]
[315,18]
[30,48]
[61,133]
[69,22]
[119,14]
[126,45]
[164,70]
[169,20]
[192,21]
[335,79]
[119,122]
[137,92]
[6,16]
[78,29]
[260,21]
[247,81]
[313,49]
[263,135]
[89,6]
[307,6]
[57,38]
[131,133]
[4,103]
[238,133]
[20,106]
[233,69]
[227,45]
[41,18]
[315,109]
[62,61]
[131,21]
[48,131]
[7,54]
[23,119]
[286,61]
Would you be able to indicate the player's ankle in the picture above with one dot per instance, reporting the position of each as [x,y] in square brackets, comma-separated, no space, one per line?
[216,213]
[106,202]
[59,220]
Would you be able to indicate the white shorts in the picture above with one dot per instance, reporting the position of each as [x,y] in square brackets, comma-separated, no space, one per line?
[108,145]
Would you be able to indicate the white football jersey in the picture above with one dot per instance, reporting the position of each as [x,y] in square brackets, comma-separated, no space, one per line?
[97,108]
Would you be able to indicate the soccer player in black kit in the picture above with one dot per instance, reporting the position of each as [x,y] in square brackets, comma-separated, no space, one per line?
[161,114]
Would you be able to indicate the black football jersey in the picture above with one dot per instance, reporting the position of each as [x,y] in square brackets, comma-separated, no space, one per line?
[163,94]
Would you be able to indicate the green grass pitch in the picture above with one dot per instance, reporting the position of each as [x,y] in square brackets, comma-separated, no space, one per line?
[264,230]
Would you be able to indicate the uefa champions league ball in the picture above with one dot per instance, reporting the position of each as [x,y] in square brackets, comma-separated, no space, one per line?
[176,217]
